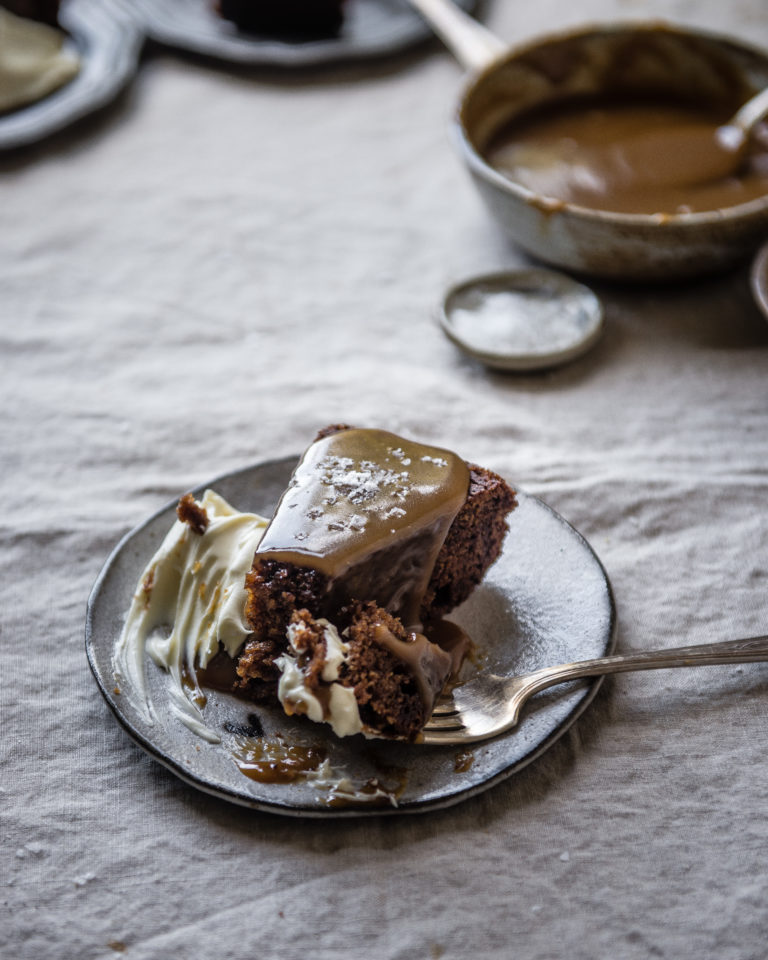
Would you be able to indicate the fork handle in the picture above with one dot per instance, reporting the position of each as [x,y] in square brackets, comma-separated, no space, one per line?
[730,651]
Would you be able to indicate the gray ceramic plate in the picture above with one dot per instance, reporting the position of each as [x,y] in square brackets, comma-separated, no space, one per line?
[547,600]
[759,279]
[108,44]
[371,28]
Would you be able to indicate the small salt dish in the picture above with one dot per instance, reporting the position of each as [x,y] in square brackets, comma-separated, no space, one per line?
[522,320]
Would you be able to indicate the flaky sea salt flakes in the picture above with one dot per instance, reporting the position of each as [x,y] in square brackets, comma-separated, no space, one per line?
[565,856]
[362,482]
[83,879]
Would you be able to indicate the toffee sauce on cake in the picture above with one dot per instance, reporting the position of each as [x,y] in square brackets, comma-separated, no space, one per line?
[354,491]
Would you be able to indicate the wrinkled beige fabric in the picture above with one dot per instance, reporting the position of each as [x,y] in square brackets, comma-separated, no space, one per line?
[197,281]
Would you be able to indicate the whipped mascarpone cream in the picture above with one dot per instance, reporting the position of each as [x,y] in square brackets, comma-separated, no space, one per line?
[34,61]
[338,706]
[190,599]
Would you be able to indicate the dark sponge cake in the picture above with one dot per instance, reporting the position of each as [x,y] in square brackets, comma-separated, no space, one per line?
[473,542]
[275,591]
[390,699]
[289,18]
[381,537]
[45,10]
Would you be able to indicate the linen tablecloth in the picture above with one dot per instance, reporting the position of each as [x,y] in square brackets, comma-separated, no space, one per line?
[197,280]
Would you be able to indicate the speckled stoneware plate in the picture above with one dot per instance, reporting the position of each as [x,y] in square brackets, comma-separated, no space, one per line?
[546,600]
[109,44]
[371,28]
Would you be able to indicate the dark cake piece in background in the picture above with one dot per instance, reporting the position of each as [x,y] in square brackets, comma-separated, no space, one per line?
[374,537]
[288,18]
[46,11]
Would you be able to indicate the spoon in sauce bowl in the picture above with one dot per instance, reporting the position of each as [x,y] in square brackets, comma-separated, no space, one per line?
[691,153]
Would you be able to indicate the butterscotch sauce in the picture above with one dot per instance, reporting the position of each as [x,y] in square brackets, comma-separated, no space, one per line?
[462,762]
[454,640]
[192,689]
[630,157]
[276,760]
[373,793]
[219,674]
[358,495]
[279,760]
[426,662]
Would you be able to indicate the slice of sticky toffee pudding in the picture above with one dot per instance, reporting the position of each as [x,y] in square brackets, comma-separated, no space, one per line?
[375,539]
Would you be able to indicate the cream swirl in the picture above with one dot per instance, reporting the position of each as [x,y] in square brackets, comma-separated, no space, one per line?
[188,604]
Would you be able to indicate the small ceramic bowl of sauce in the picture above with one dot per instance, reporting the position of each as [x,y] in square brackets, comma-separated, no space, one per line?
[577,143]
